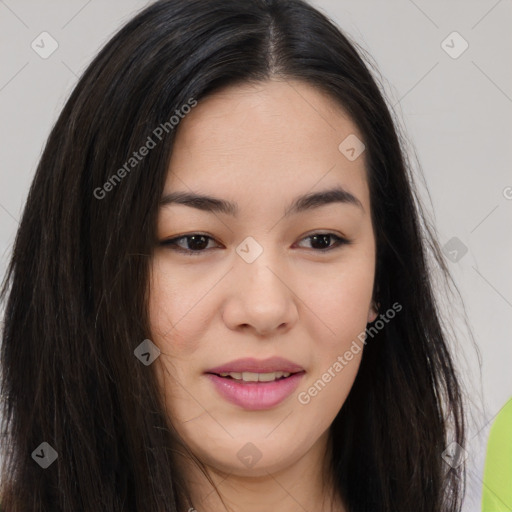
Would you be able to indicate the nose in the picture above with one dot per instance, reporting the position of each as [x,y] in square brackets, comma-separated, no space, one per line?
[260,298]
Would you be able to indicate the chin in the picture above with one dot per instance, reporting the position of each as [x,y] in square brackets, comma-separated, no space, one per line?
[253,455]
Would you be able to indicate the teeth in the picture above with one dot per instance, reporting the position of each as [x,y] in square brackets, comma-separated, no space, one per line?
[255,377]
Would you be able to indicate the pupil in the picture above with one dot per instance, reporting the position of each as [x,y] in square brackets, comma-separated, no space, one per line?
[324,238]
[197,242]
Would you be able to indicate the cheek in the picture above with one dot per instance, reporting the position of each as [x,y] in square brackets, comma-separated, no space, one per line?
[340,300]
[176,328]
[175,310]
[341,306]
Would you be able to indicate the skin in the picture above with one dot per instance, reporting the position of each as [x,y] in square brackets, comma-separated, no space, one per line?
[261,146]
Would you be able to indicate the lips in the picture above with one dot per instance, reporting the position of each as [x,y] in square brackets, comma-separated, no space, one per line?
[254,384]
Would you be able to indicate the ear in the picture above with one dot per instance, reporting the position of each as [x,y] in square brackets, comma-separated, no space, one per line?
[373,312]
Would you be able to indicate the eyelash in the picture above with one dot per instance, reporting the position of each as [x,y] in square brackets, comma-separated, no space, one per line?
[172,243]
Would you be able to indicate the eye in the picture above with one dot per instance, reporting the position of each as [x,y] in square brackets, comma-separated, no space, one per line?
[321,242]
[197,243]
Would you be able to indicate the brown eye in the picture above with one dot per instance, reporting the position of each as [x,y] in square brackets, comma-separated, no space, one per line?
[322,241]
[190,244]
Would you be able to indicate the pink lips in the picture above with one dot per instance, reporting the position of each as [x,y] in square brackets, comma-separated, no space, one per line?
[256,395]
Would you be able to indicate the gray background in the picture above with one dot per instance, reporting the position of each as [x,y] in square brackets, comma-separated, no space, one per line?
[456,113]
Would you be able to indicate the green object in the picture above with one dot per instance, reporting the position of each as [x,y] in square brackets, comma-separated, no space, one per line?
[497,483]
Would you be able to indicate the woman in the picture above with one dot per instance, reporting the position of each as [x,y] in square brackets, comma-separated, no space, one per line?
[219,296]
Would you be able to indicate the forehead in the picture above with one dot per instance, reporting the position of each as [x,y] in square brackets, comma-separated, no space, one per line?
[254,138]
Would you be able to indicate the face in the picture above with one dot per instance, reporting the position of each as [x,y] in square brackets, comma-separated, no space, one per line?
[259,283]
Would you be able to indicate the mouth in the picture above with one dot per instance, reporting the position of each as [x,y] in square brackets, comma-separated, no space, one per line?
[245,377]
[256,385]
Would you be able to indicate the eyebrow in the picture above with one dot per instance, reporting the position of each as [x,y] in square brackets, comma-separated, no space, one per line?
[300,204]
